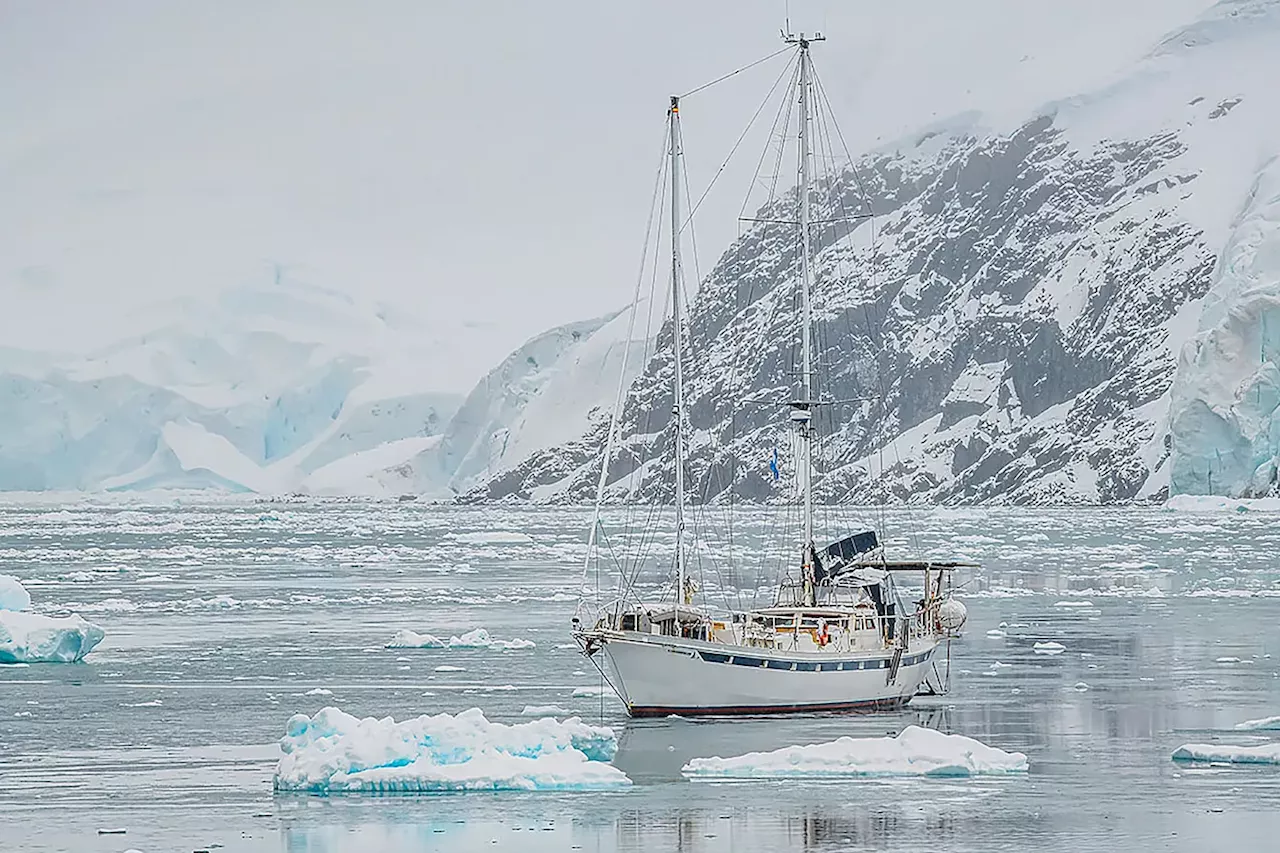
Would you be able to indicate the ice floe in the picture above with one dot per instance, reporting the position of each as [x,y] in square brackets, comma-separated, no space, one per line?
[477,638]
[1267,753]
[1049,648]
[335,752]
[494,537]
[915,751]
[1263,724]
[27,637]
[545,711]
[447,668]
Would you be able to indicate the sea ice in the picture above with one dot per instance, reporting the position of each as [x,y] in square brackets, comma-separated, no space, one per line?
[1049,648]
[915,751]
[1263,724]
[545,711]
[27,637]
[1267,753]
[337,752]
[494,537]
[477,638]
[12,594]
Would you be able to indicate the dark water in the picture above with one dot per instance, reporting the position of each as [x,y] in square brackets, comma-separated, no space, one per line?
[221,618]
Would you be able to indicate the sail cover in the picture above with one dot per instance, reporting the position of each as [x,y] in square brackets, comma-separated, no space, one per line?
[831,560]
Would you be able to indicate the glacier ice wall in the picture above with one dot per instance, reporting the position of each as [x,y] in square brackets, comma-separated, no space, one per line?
[1225,410]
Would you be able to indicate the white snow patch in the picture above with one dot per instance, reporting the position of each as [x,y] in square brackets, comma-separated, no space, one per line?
[915,751]
[337,752]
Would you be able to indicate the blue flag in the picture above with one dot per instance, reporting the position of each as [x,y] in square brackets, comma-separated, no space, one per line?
[773,464]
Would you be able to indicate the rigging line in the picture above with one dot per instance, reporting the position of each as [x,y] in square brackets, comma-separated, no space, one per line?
[615,416]
[910,515]
[783,107]
[764,103]
[737,72]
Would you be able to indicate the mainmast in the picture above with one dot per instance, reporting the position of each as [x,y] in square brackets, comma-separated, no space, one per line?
[802,409]
[677,406]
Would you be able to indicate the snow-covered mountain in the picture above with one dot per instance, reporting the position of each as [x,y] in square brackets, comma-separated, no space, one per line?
[1084,307]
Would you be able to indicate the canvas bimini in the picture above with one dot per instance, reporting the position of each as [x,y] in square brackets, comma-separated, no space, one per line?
[840,633]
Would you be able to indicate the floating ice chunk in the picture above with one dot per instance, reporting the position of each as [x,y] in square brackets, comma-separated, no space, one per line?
[1227,660]
[406,639]
[494,537]
[477,638]
[915,752]
[544,711]
[1267,753]
[32,638]
[1081,687]
[1073,604]
[996,633]
[13,596]
[447,668]
[1263,724]
[336,752]
[318,691]
[1049,648]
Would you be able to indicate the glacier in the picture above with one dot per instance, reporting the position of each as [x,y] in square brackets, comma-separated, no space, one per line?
[915,751]
[335,752]
[27,637]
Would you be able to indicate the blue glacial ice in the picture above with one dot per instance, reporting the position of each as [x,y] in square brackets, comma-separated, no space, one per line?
[915,751]
[13,596]
[27,637]
[1261,724]
[1225,402]
[335,752]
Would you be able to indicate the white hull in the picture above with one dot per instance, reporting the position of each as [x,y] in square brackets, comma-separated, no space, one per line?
[657,675]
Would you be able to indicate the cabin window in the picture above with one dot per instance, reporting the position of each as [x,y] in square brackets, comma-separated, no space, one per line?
[629,621]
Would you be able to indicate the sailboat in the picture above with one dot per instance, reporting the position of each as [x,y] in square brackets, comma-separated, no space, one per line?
[840,634]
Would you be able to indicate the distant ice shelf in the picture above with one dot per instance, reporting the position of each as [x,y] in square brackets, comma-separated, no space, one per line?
[335,752]
[915,751]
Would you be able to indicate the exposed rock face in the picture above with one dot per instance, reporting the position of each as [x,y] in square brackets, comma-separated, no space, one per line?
[1006,329]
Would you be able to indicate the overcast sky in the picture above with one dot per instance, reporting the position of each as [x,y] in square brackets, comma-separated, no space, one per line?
[490,161]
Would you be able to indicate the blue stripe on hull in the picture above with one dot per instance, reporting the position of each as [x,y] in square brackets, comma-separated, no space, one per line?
[739,710]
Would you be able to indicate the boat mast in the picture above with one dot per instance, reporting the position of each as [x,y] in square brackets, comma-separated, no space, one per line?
[802,409]
[677,406]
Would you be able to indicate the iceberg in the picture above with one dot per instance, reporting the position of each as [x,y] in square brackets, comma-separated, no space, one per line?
[27,637]
[915,751]
[33,638]
[1263,724]
[477,638]
[335,752]
[1267,753]
[13,596]
[1049,648]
